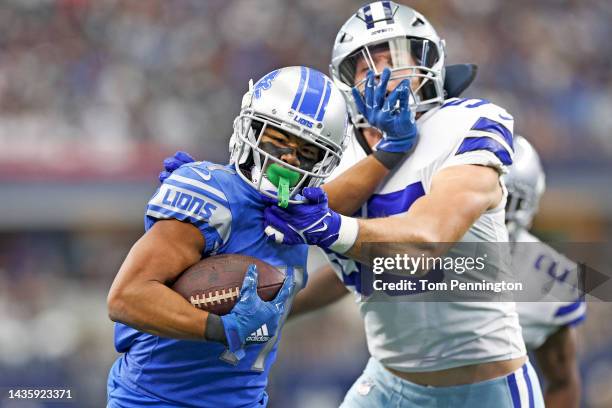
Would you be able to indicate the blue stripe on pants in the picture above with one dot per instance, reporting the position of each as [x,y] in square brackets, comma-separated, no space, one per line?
[529,387]
[514,391]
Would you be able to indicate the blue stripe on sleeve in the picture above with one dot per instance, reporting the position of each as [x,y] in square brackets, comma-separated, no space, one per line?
[471,144]
[489,125]
[477,104]
[577,320]
[454,103]
[567,309]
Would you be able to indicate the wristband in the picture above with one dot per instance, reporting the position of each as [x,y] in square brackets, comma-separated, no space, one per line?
[230,326]
[389,159]
[214,329]
[347,235]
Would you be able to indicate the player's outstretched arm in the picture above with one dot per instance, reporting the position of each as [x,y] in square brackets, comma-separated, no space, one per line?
[352,188]
[139,296]
[557,359]
[323,289]
[459,196]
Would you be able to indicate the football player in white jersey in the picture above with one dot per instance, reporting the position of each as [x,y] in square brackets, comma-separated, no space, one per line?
[548,326]
[448,190]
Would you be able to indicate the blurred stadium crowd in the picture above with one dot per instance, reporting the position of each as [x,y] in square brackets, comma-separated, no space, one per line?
[109,75]
[94,93]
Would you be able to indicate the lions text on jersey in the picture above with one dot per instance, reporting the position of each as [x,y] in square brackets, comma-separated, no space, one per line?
[433,336]
[540,319]
[167,372]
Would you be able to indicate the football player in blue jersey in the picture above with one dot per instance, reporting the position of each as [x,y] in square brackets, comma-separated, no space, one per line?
[289,134]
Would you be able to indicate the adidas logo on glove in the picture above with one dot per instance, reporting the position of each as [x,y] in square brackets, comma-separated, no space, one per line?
[260,335]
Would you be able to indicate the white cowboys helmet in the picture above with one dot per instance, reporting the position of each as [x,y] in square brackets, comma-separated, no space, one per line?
[416,51]
[525,182]
[297,101]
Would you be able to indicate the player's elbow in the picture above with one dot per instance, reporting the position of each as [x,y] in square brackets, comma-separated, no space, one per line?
[429,237]
[117,304]
[431,242]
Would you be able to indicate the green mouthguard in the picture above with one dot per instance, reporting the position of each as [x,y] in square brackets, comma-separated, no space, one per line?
[283,179]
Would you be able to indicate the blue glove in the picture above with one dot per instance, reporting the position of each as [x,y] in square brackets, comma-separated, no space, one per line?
[250,312]
[397,125]
[173,163]
[311,223]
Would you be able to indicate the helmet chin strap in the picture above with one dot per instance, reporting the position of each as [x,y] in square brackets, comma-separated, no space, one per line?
[266,185]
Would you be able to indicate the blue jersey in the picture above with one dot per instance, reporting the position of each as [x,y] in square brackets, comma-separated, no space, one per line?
[156,371]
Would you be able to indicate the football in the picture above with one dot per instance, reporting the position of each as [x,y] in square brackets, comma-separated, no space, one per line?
[214,283]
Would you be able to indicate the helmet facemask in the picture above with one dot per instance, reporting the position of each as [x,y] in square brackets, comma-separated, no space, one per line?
[258,162]
[525,183]
[521,205]
[415,59]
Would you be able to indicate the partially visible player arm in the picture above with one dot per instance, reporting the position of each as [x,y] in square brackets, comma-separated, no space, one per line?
[557,360]
[459,196]
[139,296]
[323,289]
[347,192]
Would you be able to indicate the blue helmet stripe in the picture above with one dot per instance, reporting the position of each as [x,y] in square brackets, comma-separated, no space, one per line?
[300,91]
[388,12]
[367,13]
[324,101]
[312,94]
[310,103]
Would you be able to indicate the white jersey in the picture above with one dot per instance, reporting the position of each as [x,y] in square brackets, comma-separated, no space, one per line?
[558,278]
[428,336]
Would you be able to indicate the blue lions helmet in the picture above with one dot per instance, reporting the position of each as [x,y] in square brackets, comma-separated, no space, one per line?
[296,101]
